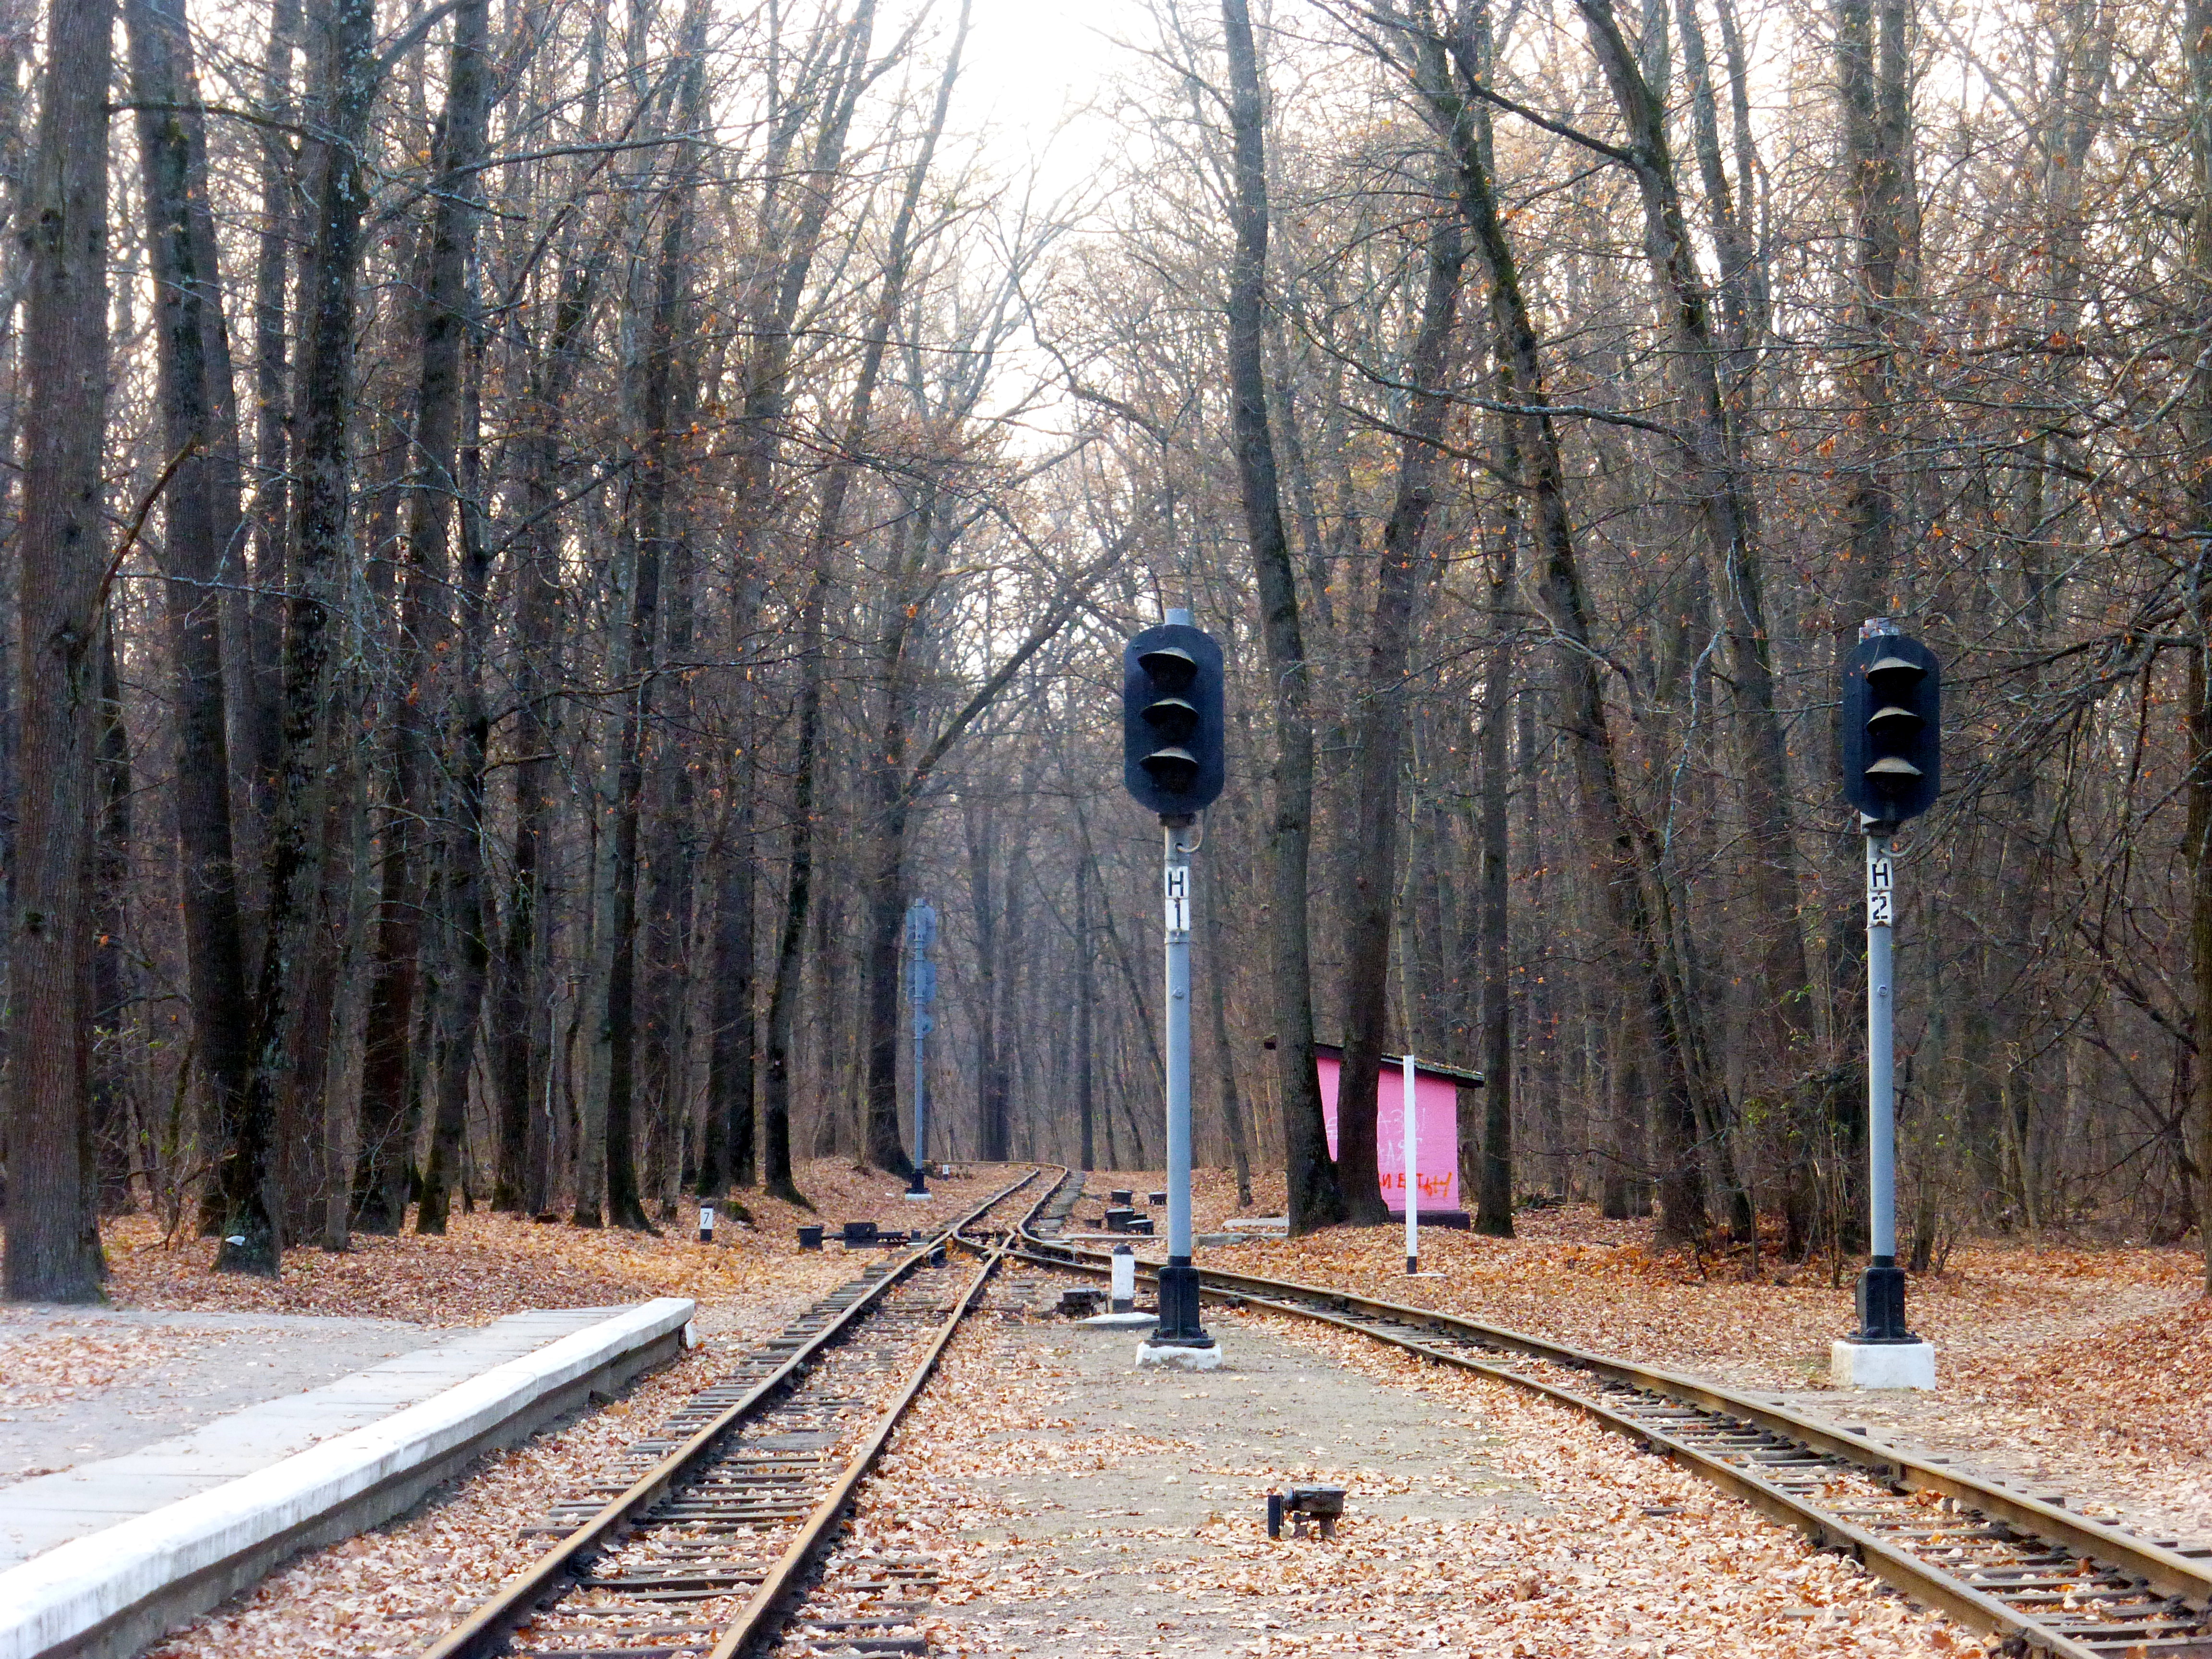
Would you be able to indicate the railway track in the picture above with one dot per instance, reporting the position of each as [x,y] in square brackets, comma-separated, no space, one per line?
[2018,1568]
[708,1539]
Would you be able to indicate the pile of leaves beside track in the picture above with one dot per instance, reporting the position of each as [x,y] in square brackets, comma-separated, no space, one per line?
[486,1265]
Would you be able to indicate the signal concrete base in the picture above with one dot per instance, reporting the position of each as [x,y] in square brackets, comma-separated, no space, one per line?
[1166,1356]
[1132,1319]
[113,1589]
[1881,1365]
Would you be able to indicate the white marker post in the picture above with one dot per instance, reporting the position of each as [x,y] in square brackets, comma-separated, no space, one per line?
[1412,1176]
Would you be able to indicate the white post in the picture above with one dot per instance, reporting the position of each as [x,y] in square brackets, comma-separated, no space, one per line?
[1125,1278]
[1412,1176]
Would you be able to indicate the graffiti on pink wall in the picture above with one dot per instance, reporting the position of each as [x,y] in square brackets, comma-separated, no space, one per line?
[1436,1124]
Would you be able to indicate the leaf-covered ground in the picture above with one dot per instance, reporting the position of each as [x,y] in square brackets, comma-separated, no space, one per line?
[2066,1369]
[489,1265]
[1001,1473]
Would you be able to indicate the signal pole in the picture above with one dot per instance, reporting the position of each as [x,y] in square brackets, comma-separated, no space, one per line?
[1179,1320]
[1172,763]
[921,994]
[1892,705]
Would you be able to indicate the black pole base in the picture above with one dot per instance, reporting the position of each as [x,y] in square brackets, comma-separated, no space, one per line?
[1882,1302]
[916,1188]
[1179,1327]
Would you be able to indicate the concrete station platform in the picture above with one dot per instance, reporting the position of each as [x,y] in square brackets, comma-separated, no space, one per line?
[100,1557]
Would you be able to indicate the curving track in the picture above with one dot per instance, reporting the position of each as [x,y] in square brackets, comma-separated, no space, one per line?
[705,1540]
[2015,1567]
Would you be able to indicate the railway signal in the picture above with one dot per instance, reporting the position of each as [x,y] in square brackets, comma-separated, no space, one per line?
[1892,764]
[921,994]
[1172,763]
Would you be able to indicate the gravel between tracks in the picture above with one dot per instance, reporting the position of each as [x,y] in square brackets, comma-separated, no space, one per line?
[1082,1508]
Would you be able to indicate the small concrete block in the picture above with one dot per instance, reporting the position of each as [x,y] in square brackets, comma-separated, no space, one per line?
[1163,1357]
[1881,1365]
[1129,1319]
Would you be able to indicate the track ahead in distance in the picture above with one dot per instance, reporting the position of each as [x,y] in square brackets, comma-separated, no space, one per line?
[2036,1577]
[702,1541]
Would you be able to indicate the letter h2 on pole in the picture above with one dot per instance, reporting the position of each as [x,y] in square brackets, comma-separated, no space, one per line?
[1172,763]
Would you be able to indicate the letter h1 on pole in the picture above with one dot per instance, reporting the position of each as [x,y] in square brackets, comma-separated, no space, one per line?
[1172,761]
[1892,722]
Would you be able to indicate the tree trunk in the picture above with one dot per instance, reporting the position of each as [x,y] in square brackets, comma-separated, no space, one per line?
[193,548]
[467,746]
[290,994]
[1317,1198]
[735,1041]
[1627,861]
[2196,39]
[53,1253]
[1493,1211]
[1379,740]
[1213,899]
[1086,1017]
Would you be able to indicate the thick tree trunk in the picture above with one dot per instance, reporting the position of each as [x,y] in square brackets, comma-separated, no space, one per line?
[1493,1212]
[290,1000]
[194,548]
[522,1064]
[1213,899]
[392,1075]
[992,1124]
[467,747]
[1317,1198]
[2197,41]
[1086,1019]
[259,717]
[1711,450]
[442,408]
[735,1042]
[1628,876]
[1371,870]
[53,1253]
[117,1050]
[799,892]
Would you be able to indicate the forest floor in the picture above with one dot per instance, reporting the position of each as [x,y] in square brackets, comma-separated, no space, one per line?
[2064,1368]
[1081,1507]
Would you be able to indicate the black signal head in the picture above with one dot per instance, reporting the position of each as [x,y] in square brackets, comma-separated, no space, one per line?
[1171,719]
[1892,728]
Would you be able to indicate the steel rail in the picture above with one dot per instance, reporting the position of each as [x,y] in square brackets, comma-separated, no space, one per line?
[484,1632]
[757,1623]
[2152,1566]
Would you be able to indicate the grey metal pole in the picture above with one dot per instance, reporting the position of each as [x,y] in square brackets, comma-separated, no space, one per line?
[1179,1324]
[1881,1287]
[1177,893]
[921,1019]
[922,994]
[1882,1077]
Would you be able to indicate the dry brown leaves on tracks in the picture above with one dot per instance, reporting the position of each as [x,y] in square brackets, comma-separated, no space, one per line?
[1636,1558]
